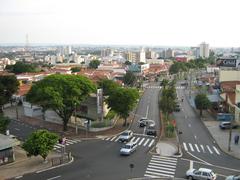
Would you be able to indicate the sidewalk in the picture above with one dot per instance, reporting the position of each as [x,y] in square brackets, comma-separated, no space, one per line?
[24,164]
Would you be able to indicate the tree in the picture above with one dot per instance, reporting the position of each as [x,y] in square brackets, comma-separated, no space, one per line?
[164,83]
[61,93]
[8,86]
[40,142]
[75,69]
[129,78]
[202,102]
[127,63]
[94,64]
[21,67]
[4,122]
[108,86]
[122,101]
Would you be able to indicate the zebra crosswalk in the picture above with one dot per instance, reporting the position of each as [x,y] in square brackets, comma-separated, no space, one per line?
[189,147]
[160,166]
[160,87]
[58,147]
[145,141]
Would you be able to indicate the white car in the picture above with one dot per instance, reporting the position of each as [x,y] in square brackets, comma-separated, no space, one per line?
[202,173]
[125,136]
[128,148]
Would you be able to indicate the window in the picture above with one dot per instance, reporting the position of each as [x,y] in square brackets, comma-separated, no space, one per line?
[205,174]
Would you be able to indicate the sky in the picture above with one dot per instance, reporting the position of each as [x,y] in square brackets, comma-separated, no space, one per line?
[121,22]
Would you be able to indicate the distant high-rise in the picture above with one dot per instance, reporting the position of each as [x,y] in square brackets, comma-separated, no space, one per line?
[142,56]
[107,52]
[204,50]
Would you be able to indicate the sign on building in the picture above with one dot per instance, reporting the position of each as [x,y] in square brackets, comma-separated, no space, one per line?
[228,62]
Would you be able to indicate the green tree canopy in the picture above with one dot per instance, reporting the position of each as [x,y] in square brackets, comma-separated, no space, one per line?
[21,67]
[8,86]
[4,122]
[94,64]
[40,142]
[127,63]
[75,69]
[60,93]
[108,86]
[129,79]
[202,102]
[122,101]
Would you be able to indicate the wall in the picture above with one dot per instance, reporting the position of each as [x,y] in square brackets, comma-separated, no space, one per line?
[229,75]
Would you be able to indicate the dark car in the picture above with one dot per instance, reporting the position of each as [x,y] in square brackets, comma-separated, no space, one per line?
[177,108]
[143,122]
[151,130]
[227,125]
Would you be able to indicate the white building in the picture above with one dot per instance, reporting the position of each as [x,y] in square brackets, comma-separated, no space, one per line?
[142,56]
[204,50]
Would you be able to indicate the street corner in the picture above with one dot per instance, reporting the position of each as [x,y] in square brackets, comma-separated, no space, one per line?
[167,149]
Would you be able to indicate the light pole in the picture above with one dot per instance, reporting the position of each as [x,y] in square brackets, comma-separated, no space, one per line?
[17,100]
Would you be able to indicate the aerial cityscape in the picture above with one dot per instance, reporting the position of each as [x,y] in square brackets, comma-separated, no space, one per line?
[118,90]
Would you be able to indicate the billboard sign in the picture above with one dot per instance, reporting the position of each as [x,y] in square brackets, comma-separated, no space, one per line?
[99,101]
[227,62]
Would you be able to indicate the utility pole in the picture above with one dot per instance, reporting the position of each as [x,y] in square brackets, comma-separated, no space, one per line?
[190,83]
[230,134]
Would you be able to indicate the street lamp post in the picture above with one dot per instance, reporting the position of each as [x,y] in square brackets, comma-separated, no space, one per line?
[17,101]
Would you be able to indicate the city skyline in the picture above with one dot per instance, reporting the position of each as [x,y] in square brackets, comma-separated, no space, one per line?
[106,22]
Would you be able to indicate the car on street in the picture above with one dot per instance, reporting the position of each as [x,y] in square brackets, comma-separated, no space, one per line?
[233,177]
[151,130]
[143,122]
[126,136]
[177,108]
[128,148]
[201,173]
[227,125]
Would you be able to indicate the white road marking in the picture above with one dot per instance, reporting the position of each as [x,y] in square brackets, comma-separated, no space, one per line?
[18,177]
[17,129]
[191,165]
[141,141]
[163,162]
[162,171]
[164,168]
[189,125]
[185,146]
[164,165]
[209,149]
[147,111]
[159,174]
[133,139]
[199,159]
[216,150]
[191,147]
[195,137]
[150,144]
[108,138]
[54,177]
[197,148]
[113,138]
[165,158]
[137,139]
[146,142]
[146,175]
[117,139]
[202,148]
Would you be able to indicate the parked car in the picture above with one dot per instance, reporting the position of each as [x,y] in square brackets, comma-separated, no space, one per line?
[233,177]
[125,136]
[151,130]
[202,173]
[177,107]
[227,125]
[143,122]
[128,148]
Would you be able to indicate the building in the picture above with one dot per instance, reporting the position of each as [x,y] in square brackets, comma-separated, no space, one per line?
[142,56]
[131,56]
[169,53]
[204,50]
[106,52]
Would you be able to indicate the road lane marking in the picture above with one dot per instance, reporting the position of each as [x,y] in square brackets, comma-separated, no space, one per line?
[202,148]
[133,139]
[150,144]
[216,150]
[165,158]
[137,140]
[195,137]
[157,167]
[199,159]
[117,139]
[54,178]
[113,138]
[141,141]
[147,111]
[161,171]
[189,125]
[146,142]
[164,165]
[159,174]
[191,165]
[185,146]
[151,176]
[163,162]
[108,138]
[209,149]
[191,147]
[197,148]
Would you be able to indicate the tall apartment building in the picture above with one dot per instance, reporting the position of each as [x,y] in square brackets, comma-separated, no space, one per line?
[131,56]
[204,50]
[150,54]
[106,52]
[169,53]
[142,56]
